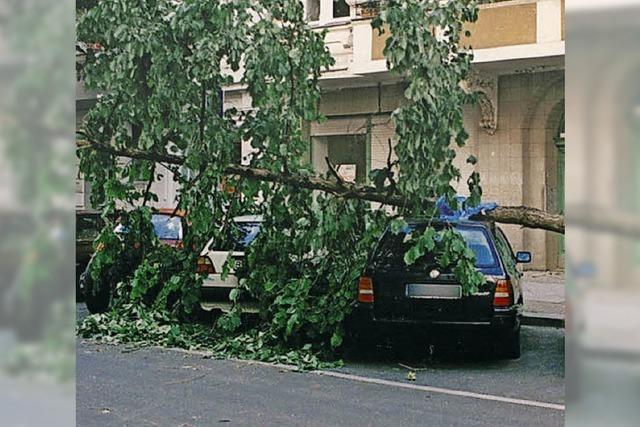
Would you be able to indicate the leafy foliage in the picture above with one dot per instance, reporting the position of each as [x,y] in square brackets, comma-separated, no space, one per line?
[133,267]
[137,325]
[160,67]
[304,267]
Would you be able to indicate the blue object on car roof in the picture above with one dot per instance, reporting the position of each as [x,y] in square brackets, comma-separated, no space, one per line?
[461,212]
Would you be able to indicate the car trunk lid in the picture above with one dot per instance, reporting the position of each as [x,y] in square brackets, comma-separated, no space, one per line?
[424,291]
[406,296]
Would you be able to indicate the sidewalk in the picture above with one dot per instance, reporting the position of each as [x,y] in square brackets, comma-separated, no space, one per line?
[544,298]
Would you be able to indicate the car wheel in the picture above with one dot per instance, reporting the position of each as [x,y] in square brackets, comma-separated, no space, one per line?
[360,340]
[96,297]
[509,348]
[207,317]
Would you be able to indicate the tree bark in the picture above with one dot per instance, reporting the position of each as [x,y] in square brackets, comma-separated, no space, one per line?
[521,215]
[526,217]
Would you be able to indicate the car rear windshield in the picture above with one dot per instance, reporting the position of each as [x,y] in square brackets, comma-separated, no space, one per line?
[243,233]
[167,227]
[392,247]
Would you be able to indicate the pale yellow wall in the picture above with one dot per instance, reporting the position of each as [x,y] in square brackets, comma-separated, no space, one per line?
[503,26]
[497,25]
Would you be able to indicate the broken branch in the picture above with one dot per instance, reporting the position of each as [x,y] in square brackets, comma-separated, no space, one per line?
[521,215]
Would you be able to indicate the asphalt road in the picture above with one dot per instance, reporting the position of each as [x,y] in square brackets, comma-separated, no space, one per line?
[158,387]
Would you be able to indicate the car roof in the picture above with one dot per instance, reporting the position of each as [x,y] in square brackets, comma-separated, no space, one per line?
[169,211]
[248,218]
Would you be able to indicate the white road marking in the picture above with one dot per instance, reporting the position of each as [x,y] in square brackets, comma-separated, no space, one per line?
[378,381]
[441,390]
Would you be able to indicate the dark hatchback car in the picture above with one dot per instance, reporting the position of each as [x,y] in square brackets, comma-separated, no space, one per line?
[423,295]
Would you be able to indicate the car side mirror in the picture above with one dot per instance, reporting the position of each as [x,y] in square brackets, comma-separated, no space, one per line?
[523,257]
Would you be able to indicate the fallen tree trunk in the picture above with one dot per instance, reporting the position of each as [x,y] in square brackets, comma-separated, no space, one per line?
[526,217]
[520,215]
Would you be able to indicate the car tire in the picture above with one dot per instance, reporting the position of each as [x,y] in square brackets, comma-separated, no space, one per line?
[207,317]
[509,348]
[360,339]
[95,297]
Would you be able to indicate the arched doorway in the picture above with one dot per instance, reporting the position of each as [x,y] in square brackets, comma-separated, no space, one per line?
[543,165]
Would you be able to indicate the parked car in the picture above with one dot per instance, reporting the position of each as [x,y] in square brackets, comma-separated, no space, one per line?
[88,226]
[168,226]
[216,289]
[424,295]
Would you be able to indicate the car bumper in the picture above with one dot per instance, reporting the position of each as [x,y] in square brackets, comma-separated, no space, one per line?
[216,295]
[503,321]
[216,281]
[225,307]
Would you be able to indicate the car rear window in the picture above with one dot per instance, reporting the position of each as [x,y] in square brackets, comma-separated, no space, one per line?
[392,247]
[477,241]
[244,233]
[167,227]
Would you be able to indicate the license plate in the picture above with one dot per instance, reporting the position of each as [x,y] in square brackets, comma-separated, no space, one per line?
[431,291]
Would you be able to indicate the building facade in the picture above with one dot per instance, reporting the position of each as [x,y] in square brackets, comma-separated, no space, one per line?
[516,130]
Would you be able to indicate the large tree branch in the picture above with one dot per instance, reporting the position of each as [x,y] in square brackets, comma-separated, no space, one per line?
[527,217]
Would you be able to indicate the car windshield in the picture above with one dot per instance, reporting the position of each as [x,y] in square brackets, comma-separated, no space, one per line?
[167,227]
[392,248]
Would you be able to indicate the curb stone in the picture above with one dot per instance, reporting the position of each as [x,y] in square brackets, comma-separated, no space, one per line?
[543,319]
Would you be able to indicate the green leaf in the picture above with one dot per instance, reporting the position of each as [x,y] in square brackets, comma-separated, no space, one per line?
[336,339]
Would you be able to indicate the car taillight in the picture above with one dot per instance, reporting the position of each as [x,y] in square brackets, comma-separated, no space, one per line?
[503,297]
[365,290]
[205,266]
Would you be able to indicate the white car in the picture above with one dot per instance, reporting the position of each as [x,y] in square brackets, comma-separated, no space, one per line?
[216,289]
